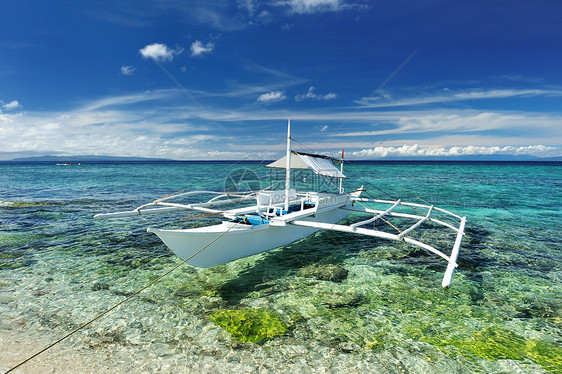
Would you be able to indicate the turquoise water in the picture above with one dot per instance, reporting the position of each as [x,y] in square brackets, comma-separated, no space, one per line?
[332,302]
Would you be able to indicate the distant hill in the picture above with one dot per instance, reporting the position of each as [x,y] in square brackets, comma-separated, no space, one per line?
[86,158]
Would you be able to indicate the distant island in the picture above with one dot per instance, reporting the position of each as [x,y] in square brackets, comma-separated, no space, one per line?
[88,158]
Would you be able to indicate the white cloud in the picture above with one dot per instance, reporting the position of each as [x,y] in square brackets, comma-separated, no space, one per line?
[113,132]
[159,52]
[127,70]
[311,95]
[249,5]
[416,150]
[14,104]
[314,6]
[462,122]
[272,96]
[264,16]
[114,101]
[197,48]
[383,99]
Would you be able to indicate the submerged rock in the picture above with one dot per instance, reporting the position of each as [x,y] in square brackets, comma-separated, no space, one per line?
[5,299]
[348,347]
[185,292]
[100,286]
[249,325]
[328,272]
[343,299]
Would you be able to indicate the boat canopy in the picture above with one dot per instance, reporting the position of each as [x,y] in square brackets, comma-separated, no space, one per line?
[319,163]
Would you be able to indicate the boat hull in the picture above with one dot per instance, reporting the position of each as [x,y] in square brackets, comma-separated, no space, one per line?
[219,244]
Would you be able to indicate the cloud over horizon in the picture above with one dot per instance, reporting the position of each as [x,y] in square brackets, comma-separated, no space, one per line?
[127,125]
[417,151]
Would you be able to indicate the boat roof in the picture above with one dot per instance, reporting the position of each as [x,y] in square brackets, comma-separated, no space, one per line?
[320,164]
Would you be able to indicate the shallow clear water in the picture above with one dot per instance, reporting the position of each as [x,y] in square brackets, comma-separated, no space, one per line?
[380,308]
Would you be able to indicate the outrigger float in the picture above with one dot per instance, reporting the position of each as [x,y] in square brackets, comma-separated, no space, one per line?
[280,217]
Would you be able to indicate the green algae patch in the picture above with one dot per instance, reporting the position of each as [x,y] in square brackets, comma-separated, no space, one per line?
[9,261]
[249,325]
[27,204]
[495,343]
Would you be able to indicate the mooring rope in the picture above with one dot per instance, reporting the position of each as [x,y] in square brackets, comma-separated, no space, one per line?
[121,302]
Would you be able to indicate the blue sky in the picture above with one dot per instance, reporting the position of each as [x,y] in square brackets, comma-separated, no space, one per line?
[218,79]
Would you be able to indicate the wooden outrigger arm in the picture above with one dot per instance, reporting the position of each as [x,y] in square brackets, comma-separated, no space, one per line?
[355,229]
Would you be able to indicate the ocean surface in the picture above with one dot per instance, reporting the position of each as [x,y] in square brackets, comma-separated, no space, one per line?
[330,303]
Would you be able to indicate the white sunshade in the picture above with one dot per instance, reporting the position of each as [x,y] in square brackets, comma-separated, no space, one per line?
[320,165]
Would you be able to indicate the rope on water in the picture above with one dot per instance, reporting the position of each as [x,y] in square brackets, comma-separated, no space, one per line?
[119,303]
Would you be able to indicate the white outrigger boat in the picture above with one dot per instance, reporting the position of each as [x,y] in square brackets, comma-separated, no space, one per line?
[280,217]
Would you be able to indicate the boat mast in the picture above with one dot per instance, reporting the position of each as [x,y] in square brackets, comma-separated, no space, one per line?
[288,167]
[341,170]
